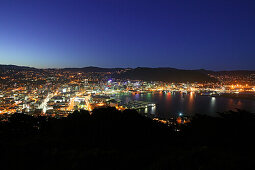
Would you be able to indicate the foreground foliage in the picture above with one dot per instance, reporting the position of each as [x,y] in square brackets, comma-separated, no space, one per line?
[110,139]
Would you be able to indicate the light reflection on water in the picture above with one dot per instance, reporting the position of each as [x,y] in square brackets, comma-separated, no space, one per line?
[173,103]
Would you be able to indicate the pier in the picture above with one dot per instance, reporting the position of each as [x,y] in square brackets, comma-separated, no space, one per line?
[134,104]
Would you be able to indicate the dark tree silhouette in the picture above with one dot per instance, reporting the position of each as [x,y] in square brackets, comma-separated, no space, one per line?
[111,139]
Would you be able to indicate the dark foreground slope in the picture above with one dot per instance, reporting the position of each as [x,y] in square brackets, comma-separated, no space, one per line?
[109,139]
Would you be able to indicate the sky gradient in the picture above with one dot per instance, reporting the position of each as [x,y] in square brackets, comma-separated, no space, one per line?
[216,34]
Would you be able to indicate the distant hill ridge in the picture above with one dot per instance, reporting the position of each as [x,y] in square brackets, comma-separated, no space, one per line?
[167,75]
[146,73]
[94,69]
[15,67]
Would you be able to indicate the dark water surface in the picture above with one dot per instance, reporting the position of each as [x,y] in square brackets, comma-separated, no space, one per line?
[173,103]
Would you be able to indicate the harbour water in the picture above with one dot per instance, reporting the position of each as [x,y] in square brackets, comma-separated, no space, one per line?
[173,103]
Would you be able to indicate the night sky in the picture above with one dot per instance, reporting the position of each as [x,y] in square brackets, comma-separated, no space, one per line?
[216,34]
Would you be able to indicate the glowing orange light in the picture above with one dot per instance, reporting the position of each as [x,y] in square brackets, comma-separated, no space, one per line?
[179,120]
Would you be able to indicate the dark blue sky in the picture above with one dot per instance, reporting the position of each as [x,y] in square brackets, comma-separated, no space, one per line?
[191,34]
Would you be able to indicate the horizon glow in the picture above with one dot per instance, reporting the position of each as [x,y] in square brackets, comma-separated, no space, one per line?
[212,35]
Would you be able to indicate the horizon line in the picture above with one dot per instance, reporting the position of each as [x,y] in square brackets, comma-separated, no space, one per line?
[120,67]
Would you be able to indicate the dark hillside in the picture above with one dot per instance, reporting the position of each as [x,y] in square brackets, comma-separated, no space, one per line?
[110,139]
[167,74]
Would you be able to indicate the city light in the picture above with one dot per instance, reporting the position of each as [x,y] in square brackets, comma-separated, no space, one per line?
[88,91]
